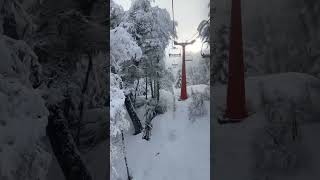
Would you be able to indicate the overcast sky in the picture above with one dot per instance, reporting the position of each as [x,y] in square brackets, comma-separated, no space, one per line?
[188,14]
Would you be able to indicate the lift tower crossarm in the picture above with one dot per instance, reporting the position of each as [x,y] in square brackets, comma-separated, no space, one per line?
[183,43]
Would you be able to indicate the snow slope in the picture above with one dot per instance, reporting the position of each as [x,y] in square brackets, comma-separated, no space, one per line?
[178,149]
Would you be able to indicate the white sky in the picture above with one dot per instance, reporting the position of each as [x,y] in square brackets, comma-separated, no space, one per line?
[188,14]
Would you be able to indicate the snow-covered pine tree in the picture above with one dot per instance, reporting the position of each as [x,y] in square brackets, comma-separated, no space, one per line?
[219,68]
[178,79]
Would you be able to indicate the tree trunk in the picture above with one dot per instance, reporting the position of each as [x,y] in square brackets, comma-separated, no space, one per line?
[146,87]
[135,93]
[84,89]
[154,88]
[158,83]
[10,26]
[158,93]
[148,128]
[133,115]
[64,148]
[158,88]
[151,87]
[125,156]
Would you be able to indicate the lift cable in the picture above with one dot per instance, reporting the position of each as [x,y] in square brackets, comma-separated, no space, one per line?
[174,51]
[173,24]
[194,35]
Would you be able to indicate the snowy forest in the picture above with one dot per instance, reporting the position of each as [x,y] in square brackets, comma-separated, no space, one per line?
[53,90]
[152,131]
[278,139]
[55,101]
[92,90]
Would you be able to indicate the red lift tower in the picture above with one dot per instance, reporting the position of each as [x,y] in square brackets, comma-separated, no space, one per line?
[183,95]
[236,100]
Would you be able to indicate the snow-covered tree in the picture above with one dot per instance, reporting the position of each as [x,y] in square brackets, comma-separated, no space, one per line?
[281,36]
[124,50]
[219,67]
[167,80]
[178,79]
[198,70]
[116,14]
[152,29]
[196,107]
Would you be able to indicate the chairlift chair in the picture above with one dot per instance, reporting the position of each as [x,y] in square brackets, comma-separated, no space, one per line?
[174,52]
[189,57]
[174,65]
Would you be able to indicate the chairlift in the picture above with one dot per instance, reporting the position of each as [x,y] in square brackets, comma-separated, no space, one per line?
[189,57]
[174,65]
[174,52]
[204,51]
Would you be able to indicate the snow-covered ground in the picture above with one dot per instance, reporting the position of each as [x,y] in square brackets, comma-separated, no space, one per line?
[240,148]
[178,149]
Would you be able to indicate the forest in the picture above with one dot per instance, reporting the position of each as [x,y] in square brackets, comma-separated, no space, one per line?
[148,120]
[67,67]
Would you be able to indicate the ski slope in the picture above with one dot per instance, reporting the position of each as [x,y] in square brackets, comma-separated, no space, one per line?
[178,149]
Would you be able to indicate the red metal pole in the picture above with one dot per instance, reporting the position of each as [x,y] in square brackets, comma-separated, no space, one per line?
[236,99]
[183,94]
